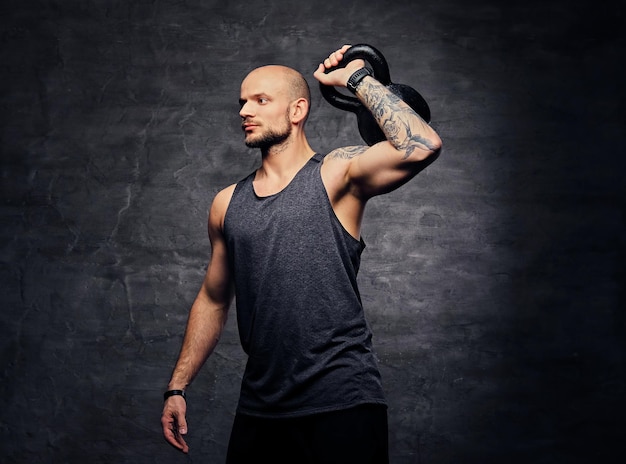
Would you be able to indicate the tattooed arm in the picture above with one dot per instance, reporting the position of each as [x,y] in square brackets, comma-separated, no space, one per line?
[411,143]
[410,146]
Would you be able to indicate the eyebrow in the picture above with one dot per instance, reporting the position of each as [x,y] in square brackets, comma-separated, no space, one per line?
[255,96]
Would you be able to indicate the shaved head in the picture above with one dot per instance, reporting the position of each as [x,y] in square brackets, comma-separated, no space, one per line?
[288,79]
[296,84]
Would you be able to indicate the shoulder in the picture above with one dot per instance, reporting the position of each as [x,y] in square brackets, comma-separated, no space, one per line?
[223,197]
[345,153]
[220,205]
[336,170]
[338,161]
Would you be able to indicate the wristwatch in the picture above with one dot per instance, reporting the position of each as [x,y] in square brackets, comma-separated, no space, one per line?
[169,393]
[356,79]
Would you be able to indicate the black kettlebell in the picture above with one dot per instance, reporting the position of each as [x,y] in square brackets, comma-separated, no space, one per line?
[368,127]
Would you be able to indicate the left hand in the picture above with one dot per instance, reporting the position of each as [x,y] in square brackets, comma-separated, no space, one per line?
[174,422]
[340,76]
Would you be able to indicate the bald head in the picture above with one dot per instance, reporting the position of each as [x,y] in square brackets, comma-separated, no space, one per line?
[290,80]
[281,79]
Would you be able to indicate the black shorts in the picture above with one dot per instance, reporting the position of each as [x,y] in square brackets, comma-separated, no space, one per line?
[355,435]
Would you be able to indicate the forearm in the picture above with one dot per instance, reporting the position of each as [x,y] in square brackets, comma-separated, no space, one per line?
[403,127]
[204,327]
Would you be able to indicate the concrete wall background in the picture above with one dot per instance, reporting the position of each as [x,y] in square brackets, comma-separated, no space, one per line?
[493,281]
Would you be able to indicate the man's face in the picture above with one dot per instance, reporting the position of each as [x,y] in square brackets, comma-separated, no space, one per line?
[264,110]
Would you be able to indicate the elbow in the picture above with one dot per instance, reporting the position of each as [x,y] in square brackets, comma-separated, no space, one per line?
[434,143]
[423,154]
[432,147]
[425,150]
[436,149]
[420,147]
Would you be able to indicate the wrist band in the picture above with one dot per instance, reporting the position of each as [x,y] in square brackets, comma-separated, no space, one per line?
[356,79]
[169,393]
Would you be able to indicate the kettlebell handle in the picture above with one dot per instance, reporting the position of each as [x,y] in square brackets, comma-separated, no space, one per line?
[368,126]
[380,71]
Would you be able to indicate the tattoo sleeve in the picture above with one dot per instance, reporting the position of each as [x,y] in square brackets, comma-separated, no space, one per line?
[402,126]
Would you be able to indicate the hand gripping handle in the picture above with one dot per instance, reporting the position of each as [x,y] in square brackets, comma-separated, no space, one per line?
[380,71]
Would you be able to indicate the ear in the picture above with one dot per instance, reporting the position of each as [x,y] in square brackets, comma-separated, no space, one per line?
[299,110]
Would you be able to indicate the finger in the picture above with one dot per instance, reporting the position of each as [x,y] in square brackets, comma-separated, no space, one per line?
[182,425]
[181,441]
[339,54]
[174,438]
[334,61]
[319,73]
[174,427]
[170,434]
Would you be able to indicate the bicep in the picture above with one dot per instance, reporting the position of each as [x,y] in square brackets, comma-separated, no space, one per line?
[217,283]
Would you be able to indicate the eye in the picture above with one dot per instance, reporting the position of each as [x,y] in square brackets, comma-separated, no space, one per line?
[262,100]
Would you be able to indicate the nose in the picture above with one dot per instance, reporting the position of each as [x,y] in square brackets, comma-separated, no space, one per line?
[245,110]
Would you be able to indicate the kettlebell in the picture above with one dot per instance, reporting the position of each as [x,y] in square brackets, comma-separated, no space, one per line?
[368,127]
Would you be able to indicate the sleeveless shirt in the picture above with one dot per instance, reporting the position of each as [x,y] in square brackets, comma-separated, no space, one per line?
[299,312]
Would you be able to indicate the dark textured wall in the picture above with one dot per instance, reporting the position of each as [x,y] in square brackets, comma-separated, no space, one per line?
[493,281]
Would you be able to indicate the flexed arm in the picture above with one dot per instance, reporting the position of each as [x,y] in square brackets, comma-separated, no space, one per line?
[411,143]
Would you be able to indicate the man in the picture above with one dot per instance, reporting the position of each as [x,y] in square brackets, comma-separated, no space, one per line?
[286,243]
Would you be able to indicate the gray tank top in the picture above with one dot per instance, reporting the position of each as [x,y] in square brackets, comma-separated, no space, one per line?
[299,312]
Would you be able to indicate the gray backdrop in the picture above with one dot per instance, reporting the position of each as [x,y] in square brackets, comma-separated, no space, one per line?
[493,281]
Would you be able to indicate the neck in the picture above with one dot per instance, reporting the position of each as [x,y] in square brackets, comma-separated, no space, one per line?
[284,159]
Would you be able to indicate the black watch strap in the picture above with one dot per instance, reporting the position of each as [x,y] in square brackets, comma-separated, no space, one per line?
[169,393]
[356,79]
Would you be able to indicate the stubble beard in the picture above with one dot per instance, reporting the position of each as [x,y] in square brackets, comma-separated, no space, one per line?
[270,138]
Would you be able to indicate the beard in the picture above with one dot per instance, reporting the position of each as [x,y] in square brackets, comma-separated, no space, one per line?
[270,138]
